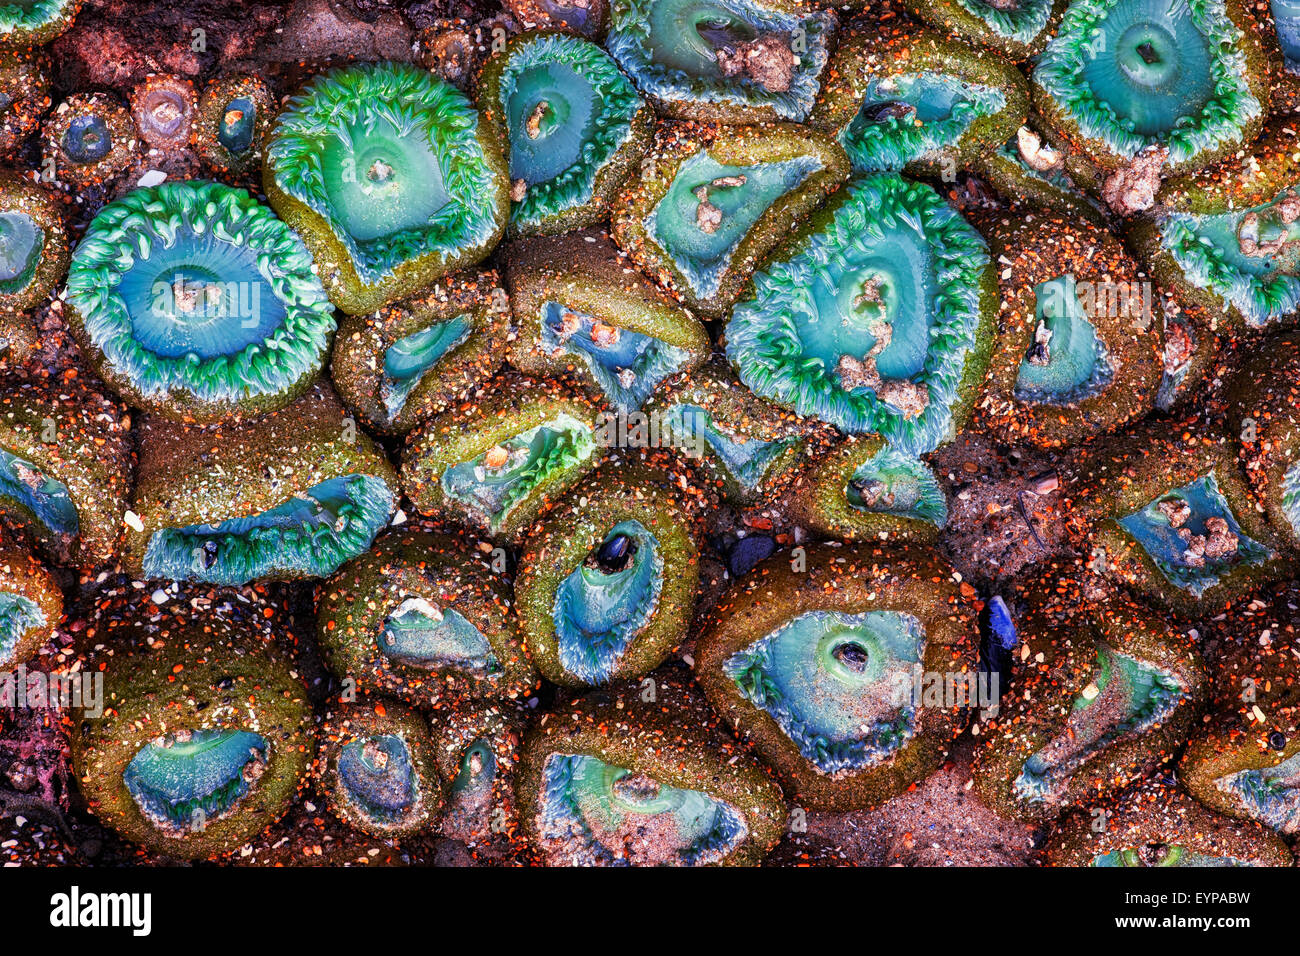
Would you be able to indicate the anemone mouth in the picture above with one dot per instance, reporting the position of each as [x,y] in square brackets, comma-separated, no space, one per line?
[1286,17]
[598,813]
[626,365]
[493,484]
[607,601]
[46,499]
[312,535]
[1134,73]
[1022,21]
[22,244]
[709,208]
[894,483]
[569,110]
[838,685]
[18,616]
[421,635]
[1125,699]
[907,116]
[1162,854]
[681,51]
[200,289]
[746,460]
[1067,362]
[1192,537]
[411,358]
[869,321]
[87,140]
[23,16]
[1250,257]
[389,157]
[185,780]
[1270,795]
[378,779]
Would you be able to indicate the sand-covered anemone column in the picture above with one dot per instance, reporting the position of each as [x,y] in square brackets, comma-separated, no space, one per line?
[234,114]
[24,97]
[899,97]
[874,317]
[731,61]
[31,603]
[33,23]
[33,244]
[164,107]
[1285,15]
[1028,168]
[88,139]
[293,494]
[712,201]
[194,301]
[1018,29]
[574,128]
[1177,85]
[391,178]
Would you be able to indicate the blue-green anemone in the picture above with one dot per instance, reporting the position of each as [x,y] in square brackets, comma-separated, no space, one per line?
[30,603]
[726,60]
[391,178]
[1192,536]
[839,685]
[203,772]
[1162,855]
[874,318]
[1270,794]
[18,615]
[893,483]
[195,302]
[33,23]
[377,775]
[573,124]
[1071,363]
[44,498]
[234,115]
[746,460]
[88,139]
[1016,27]
[1124,75]
[410,358]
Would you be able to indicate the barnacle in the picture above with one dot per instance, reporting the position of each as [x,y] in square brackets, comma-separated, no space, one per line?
[378,767]
[193,301]
[711,202]
[1017,28]
[24,97]
[33,23]
[897,97]
[818,661]
[580,308]
[1123,76]
[290,495]
[732,61]
[413,359]
[234,115]
[573,125]
[390,177]
[194,767]
[875,316]
[606,581]
[495,461]
[33,244]
[88,139]
[30,603]
[164,108]
[645,775]
[1113,691]
[420,618]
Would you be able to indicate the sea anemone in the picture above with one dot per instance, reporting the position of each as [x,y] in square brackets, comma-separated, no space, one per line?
[31,603]
[33,244]
[234,116]
[25,24]
[89,139]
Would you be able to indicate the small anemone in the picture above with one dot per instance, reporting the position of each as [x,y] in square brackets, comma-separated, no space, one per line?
[195,302]
[1026,168]
[89,139]
[26,24]
[1019,28]
[391,178]
[1124,75]
[30,603]
[722,60]
[164,107]
[201,774]
[573,125]
[479,757]
[33,244]
[874,317]
[234,115]
[585,17]
[24,97]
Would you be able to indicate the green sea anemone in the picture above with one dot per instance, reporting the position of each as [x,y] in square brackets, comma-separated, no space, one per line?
[479,756]
[875,316]
[390,177]
[730,61]
[33,244]
[293,494]
[421,618]
[1029,169]
[234,116]
[711,202]
[193,301]
[821,660]
[573,125]
[607,577]
[31,23]
[493,462]
[414,359]
[1018,29]
[24,97]
[582,310]
[31,603]
[89,139]
[644,774]
[897,97]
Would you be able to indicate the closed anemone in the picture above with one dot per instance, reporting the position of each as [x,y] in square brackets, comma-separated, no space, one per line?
[197,303]
[1016,27]
[233,116]
[1077,365]
[631,819]
[602,605]
[390,177]
[1124,75]
[185,779]
[573,124]
[90,138]
[874,318]
[726,60]
[33,23]
[1270,795]
[164,109]
[31,603]
[839,685]
[45,499]
[18,615]
[418,634]
[409,359]
[746,460]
